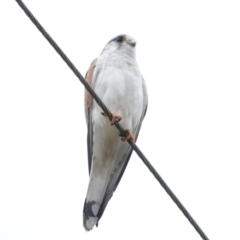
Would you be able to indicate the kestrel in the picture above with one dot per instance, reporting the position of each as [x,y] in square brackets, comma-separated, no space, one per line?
[117,80]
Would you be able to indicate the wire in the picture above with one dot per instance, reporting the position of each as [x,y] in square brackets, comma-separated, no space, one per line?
[108,113]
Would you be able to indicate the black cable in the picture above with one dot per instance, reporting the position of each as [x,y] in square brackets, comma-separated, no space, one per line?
[117,125]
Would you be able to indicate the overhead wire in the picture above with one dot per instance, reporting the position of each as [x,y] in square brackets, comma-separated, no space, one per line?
[109,114]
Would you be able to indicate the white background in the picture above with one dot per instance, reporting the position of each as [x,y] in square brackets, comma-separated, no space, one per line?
[189,55]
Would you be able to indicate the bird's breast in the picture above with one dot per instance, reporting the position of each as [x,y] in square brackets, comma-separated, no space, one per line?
[118,83]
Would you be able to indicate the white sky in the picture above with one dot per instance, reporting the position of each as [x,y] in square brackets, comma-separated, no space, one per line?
[189,54]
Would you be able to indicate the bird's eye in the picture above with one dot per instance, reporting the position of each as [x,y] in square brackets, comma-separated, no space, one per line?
[119,39]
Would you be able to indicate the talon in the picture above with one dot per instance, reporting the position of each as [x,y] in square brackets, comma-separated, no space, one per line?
[103,113]
[128,136]
[115,117]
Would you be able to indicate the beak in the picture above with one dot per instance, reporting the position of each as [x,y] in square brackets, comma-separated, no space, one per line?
[131,42]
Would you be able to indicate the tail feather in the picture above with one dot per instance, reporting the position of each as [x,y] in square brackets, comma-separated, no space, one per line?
[89,217]
[95,204]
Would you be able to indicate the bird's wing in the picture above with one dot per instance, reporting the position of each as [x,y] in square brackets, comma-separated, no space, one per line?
[122,159]
[87,107]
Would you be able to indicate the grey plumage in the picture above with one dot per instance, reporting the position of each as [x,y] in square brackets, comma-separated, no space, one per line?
[116,78]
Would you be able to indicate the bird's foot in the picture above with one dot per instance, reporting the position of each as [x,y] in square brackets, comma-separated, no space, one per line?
[115,117]
[128,136]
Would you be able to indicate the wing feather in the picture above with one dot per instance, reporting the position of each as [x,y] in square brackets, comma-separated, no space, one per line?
[122,159]
[87,107]
[125,151]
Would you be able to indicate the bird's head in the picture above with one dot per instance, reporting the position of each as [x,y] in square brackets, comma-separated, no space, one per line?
[123,44]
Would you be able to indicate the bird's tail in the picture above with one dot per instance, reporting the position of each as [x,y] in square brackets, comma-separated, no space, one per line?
[89,218]
[99,178]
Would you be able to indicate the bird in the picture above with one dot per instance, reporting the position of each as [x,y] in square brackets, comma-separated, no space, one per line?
[116,78]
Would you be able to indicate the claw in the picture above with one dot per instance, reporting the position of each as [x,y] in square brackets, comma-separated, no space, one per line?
[128,136]
[103,113]
[115,117]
